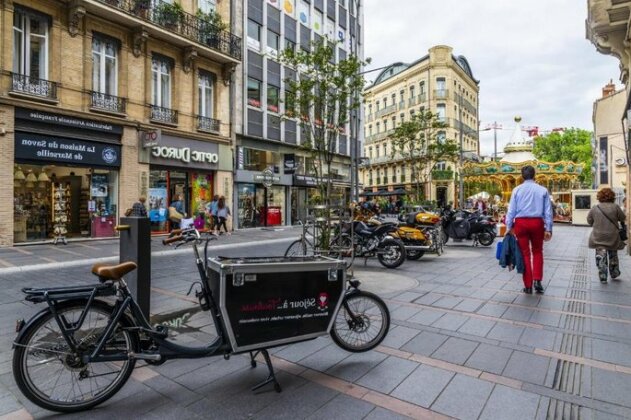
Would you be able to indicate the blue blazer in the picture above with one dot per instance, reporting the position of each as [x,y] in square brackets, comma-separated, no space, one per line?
[511,255]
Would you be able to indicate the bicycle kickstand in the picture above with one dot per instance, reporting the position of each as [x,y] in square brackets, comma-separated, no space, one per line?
[271,377]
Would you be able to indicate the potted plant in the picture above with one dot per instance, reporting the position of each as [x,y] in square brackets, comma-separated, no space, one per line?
[169,15]
[210,27]
[141,8]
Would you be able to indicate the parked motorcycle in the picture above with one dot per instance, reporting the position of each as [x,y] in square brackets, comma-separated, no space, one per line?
[423,233]
[462,224]
[369,241]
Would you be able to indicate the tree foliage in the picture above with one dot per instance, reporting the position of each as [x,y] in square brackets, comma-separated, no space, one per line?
[322,97]
[417,142]
[573,144]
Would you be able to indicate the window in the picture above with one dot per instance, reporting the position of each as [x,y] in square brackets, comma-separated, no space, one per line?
[402,94]
[378,103]
[205,84]
[440,112]
[411,92]
[422,88]
[394,98]
[440,83]
[254,35]
[30,45]
[290,45]
[273,43]
[402,173]
[272,98]
[385,102]
[207,6]
[441,166]
[104,66]
[394,121]
[376,151]
[378,127]
[161,82]
[370,130]
[369,109]
[441,136]
[402,117]
[254,92]
[385,125]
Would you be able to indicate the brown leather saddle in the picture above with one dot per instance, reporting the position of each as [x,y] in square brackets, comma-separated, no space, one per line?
[113,272]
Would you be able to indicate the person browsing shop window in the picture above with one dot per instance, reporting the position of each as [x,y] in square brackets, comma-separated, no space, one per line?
[176,211]
[211,209]
[529,218]
[139,209]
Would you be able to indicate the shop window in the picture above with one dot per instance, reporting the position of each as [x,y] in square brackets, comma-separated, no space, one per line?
[259,160]
[30,45]
[104,66]
[161,82]
[207,6]
[205,87]
[272,98]
[254,35]
[254,92]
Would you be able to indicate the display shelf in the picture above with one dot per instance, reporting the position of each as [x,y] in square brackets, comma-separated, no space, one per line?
[61,212]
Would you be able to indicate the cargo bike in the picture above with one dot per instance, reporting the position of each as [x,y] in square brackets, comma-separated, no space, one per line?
[81,349]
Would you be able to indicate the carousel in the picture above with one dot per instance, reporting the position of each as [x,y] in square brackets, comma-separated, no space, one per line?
[499,178]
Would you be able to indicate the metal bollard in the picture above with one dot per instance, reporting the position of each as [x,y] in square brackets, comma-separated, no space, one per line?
[135,245]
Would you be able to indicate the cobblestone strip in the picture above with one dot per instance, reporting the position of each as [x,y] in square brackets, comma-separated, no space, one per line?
[570,370]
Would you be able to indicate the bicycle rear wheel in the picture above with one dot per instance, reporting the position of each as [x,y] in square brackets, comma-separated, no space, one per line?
[50,375]
[362,322]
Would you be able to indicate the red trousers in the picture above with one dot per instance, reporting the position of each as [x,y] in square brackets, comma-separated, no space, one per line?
[530,232]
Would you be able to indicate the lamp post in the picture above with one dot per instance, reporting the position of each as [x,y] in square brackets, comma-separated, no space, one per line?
[461,157]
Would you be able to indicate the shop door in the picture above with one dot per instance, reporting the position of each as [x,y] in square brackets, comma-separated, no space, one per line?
[178,185]
[441,196]
[74,225]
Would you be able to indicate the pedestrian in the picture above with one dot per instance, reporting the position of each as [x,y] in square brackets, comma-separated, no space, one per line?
[223,212]
[529,218]
[176,211]
[211,209]
[138,209]
[605,239]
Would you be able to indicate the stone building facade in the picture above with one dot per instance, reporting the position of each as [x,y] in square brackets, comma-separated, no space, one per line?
[440,82]
[102,101]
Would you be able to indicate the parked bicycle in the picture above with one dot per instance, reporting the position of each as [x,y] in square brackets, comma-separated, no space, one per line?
[80,350]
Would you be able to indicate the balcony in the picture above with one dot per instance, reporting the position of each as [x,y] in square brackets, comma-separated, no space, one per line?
[412,101]
[176,27]
[441,93]
[465,103]
[108,103]
[208,124]
[163,115]
[387,110]
[22,84]
[442,175]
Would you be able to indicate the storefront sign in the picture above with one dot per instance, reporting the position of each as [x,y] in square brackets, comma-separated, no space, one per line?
[289,163]
[50,118]
[175,151]
[60,149]
[149,138]
[305,181]
[267,178]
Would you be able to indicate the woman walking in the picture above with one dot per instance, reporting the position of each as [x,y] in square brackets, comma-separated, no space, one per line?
[223,212]
[605,239]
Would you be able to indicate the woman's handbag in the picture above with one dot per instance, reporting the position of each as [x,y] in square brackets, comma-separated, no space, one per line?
[622,230]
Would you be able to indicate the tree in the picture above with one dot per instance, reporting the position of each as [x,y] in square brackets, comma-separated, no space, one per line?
[323,95]
[417,142]
[574,145]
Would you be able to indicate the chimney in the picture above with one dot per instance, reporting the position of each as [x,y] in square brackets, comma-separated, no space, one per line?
[609,89]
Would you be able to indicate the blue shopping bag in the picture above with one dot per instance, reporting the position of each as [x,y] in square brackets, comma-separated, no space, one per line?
[498,249]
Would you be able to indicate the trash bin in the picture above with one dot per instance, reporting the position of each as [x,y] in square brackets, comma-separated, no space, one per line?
[268,302]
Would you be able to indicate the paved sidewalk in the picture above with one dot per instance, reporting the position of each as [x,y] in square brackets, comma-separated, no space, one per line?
[29,255]
[464,343]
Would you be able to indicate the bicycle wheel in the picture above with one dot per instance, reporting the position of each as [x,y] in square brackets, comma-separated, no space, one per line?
[54,378]
[361,323]
[299,248]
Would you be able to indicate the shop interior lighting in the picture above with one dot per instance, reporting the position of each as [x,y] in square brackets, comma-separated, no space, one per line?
[43,177]
[19,175]
[31,177]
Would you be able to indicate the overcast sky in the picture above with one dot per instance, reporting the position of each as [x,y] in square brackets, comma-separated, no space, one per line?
[531,56]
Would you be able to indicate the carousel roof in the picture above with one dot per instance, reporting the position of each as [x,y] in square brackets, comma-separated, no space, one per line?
[519,148]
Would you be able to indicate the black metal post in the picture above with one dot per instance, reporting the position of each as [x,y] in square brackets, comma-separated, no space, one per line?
[135,245]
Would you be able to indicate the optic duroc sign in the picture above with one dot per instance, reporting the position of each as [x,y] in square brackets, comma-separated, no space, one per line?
[31,146]
[187,153]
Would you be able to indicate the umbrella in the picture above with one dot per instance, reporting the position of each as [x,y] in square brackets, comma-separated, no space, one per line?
[483,195]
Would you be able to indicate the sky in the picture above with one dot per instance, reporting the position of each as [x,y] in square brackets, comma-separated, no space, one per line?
[531,56]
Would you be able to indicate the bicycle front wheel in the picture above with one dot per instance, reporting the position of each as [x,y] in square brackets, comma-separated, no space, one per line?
[52,376]
[299,248]
[362,322]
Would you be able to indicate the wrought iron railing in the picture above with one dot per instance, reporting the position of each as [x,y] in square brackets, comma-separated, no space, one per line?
[181,23]
[28,85]
[163,115]
[208,124]
[106,102]
[441,93]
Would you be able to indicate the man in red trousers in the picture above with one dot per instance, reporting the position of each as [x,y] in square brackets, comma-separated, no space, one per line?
[529,218]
